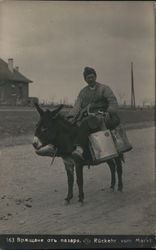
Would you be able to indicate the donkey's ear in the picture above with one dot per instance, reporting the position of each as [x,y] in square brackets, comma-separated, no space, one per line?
[56,110]
[40,111]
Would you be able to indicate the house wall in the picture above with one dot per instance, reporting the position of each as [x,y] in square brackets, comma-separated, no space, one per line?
[2,94]
[14,93]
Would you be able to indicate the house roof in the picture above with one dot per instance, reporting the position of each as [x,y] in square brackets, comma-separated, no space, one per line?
[6,74]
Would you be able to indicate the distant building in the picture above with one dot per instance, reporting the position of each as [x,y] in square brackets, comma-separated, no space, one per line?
[14,87]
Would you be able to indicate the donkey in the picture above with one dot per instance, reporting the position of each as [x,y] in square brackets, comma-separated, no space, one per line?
[53,128]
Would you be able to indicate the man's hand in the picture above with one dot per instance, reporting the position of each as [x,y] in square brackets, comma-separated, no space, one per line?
[71,119]
[107,116]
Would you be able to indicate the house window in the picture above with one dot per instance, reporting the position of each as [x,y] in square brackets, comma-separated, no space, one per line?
[20,92]
[13,90]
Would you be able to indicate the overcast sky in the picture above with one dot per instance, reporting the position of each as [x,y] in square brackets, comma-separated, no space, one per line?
[52,42]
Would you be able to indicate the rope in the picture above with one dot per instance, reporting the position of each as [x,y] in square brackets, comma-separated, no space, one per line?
[53,157]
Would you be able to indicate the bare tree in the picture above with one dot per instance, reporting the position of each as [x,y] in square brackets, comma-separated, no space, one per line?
[121,96]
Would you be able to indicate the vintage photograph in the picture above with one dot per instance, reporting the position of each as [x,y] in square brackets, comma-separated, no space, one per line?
[77,122]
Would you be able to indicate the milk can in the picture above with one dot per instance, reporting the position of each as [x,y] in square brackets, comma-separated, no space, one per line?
[121,140]
[102,146]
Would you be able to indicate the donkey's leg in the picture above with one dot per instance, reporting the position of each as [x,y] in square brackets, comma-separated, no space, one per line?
[119,172]
[79,176]
[111,165]
[69,166]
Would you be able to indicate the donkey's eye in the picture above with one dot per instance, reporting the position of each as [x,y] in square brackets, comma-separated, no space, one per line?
[36,125]
[44,129]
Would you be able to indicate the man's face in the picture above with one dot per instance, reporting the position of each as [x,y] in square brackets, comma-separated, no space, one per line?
[91,80]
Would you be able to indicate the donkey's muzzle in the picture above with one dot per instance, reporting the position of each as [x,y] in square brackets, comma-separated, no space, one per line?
[36,143]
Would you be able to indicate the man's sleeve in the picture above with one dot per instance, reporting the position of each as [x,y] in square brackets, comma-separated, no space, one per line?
[112,101]
[74,112]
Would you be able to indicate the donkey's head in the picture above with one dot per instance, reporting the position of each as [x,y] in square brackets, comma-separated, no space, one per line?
[47,127]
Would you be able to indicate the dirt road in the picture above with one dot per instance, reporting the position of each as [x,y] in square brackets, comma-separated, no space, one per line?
[32,193]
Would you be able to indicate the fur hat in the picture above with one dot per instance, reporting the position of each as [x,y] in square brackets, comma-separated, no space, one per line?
[88,71]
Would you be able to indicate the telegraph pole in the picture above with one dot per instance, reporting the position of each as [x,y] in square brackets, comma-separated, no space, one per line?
[155,46]
[132,88]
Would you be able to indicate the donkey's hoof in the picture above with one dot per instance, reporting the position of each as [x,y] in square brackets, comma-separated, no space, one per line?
[81,199]
[81,202]
[66,202]
[112,188]
[120,189]
[68,198]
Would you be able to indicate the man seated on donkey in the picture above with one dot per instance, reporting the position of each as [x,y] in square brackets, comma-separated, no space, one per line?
[96,107]
[94,101]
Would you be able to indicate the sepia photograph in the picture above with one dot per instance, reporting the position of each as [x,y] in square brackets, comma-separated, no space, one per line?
[77,124]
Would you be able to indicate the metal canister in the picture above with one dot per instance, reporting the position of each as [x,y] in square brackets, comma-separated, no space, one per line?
[102,146]
[121,140]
